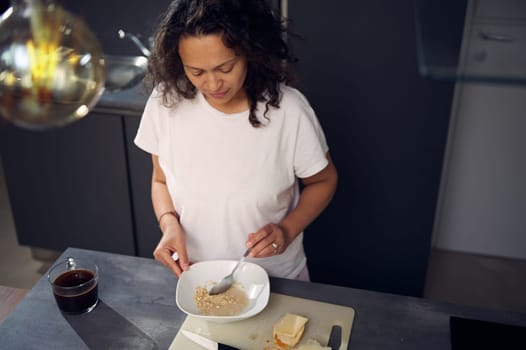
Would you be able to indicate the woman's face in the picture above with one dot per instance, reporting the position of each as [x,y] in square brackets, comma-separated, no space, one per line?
[216,71]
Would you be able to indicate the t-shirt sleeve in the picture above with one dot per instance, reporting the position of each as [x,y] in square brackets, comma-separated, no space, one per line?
[311,144]
[147,137]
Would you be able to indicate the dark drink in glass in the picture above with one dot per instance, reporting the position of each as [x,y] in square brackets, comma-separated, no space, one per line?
[75,285]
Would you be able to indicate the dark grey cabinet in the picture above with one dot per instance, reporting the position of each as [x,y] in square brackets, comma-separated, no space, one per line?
[386,127]
[69,186]
[147,232]
[86,185]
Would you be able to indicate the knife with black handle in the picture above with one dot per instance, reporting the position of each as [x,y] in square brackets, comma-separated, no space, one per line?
[335,339]
[206,343]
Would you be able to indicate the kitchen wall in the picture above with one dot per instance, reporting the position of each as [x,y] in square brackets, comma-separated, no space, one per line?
[483,202]
[482,207]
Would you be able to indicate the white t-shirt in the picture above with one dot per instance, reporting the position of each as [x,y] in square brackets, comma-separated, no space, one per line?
[228,179]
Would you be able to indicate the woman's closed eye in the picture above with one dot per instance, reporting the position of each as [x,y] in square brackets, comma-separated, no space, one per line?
[226,69]
[196,72]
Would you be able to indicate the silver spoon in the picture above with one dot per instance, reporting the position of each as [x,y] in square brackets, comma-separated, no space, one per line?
[228,280]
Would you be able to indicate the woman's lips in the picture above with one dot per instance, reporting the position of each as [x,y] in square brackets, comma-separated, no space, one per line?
[218,95]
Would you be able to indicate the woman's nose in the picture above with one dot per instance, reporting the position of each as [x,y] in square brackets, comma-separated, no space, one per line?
[213,82]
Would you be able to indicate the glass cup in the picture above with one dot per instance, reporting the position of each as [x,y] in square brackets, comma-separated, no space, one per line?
[75,285]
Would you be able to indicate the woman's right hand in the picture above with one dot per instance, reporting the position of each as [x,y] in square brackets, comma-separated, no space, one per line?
[172,241]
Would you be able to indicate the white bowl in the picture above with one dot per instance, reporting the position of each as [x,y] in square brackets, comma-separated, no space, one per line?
[249,277]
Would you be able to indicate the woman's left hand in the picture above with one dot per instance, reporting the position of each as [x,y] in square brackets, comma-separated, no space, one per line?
[268,241]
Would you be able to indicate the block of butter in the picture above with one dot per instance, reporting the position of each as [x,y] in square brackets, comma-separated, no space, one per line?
[287,331]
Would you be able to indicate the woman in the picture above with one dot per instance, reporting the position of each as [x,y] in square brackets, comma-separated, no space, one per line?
[230,141]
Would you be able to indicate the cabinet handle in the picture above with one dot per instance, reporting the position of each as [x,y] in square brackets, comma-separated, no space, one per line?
[495,37]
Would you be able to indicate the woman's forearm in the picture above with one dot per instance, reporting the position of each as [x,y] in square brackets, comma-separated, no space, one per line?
[315,197]
[161,199]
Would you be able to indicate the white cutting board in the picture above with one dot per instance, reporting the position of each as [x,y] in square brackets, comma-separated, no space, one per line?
[256,333]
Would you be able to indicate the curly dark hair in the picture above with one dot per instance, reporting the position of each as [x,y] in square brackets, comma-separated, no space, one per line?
[249,27]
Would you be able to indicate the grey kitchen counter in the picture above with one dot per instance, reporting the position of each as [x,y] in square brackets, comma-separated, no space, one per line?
[138,311]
